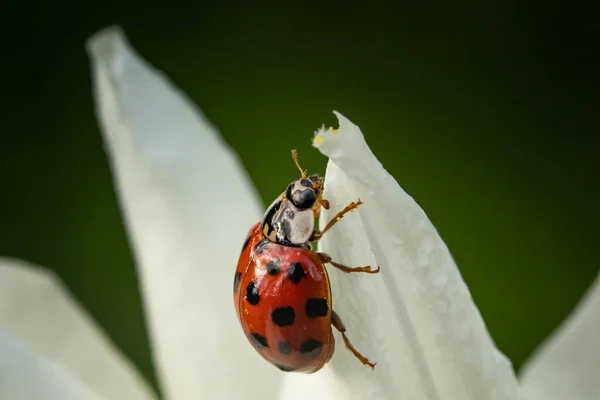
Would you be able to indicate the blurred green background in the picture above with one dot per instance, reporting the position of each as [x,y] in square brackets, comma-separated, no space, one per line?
[486,113]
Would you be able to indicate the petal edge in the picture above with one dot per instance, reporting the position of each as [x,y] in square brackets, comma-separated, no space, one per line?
[567,364]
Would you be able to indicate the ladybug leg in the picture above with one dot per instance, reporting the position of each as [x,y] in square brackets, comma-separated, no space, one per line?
[319,234]
[323,203]
[339,325]
[326,259]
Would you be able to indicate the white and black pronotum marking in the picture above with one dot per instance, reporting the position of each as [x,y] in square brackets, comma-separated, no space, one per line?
[290,219]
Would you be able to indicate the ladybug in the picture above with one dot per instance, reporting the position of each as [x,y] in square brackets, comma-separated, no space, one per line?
[281,288]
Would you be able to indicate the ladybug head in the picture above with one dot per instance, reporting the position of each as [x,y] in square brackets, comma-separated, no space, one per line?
[305,192]
[289,220]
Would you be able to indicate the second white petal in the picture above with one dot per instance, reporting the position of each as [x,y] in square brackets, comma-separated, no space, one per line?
[188,204]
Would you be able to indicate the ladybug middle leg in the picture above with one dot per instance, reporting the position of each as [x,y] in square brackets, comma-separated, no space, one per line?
[368,269]
[325,258]
[337,323]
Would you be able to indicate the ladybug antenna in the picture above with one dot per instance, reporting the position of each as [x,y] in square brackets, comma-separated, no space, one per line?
[295,157]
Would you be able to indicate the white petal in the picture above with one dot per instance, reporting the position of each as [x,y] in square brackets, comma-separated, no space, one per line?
[39,310]
[415,318]
[188,205]
[26,376]
[567,364]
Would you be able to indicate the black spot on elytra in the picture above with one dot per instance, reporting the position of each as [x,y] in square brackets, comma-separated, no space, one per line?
[246,242]
[311,348]
[258,341]
[284,348]
[316,308]
[274,267]
[236,281]
[262,245]
[306,183]
[252,294]
[296,272]
[284,368]
[283,316]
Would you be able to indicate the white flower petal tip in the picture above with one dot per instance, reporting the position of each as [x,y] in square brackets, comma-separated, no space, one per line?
[416,318]
[328,140]
[36,308]
[188,204]
[567,364]
[109,43]
[155,112]
[25,375]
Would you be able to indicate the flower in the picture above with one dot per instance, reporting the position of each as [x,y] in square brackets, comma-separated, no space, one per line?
[188,203]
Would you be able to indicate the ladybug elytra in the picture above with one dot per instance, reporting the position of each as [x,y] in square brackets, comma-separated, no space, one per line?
[281,288]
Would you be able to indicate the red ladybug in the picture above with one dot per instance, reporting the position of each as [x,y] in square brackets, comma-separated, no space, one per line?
[281,288]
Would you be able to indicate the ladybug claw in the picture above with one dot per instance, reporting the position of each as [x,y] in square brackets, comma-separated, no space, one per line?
[369,270]
[364,360]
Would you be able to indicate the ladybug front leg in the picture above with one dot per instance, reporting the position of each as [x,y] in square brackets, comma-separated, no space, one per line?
[326,259]
[339,325]
[321,204]
[316,235]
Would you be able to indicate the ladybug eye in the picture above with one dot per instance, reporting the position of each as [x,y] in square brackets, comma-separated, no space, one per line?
[317,182]
[306,183]
[301,196]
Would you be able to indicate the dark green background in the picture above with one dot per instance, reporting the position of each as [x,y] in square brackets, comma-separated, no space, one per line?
[487,114]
